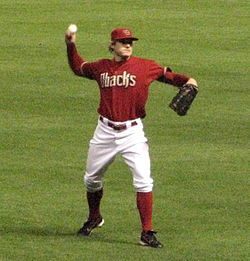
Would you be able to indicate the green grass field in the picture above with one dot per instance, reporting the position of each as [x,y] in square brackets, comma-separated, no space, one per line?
[200,163]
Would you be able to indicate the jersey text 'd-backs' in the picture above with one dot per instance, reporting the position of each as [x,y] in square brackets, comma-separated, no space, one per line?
[123,80]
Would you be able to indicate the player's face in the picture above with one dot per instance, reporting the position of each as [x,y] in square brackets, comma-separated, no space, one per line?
[123,49]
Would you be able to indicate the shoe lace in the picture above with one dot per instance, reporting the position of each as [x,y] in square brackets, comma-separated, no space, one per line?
[150,235]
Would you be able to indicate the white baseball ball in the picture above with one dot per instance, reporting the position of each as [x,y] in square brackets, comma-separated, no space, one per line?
[72,28]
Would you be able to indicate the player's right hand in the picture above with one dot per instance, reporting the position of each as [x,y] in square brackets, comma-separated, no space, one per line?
[70,37]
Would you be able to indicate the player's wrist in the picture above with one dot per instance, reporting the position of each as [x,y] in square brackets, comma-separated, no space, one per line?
[192,81]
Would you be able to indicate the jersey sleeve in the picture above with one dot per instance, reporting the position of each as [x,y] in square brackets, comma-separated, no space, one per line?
[154,71]
[175,79]
[77,64]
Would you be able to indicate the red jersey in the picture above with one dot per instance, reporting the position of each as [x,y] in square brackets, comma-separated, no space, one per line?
[123,85]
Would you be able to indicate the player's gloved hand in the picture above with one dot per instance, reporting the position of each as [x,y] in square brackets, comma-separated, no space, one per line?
[183,99]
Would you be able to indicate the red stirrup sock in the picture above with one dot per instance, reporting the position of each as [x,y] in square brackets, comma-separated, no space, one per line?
[94,200]
[145,207]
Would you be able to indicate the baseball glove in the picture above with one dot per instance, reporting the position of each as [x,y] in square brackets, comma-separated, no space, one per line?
[183,99]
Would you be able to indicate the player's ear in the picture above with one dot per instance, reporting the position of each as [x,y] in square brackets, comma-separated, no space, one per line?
[111,46]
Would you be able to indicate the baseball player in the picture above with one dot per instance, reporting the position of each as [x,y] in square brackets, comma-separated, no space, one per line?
[124,85]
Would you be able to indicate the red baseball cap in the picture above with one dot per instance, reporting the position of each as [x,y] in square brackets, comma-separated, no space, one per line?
[122,33]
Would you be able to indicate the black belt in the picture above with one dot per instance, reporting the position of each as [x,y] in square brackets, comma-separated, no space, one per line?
[117,127]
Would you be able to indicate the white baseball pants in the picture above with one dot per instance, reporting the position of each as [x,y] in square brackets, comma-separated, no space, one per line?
[130,143]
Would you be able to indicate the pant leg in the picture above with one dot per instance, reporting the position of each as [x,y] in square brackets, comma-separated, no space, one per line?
[102,152]
[138,159]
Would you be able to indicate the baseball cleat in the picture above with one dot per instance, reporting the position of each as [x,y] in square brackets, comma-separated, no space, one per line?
[148,239]
[89,225]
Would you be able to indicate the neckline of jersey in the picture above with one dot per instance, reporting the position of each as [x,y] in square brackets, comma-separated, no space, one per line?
[122,62]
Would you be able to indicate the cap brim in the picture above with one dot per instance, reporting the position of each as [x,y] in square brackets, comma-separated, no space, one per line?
[132,38]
